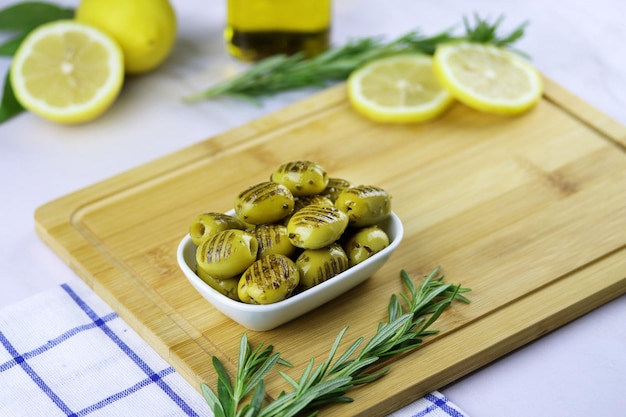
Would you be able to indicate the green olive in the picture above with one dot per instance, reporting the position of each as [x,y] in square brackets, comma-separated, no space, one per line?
[273,238]
[271,279]
[319,265]
[316,226]
[266,202]
[242,291]
[301,177]
[365,205]
[365,243]
[335,187]
[307,200]
[227,253]
[227,287]
[209,223]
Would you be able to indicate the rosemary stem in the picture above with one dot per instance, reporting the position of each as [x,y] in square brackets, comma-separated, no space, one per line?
[280,73]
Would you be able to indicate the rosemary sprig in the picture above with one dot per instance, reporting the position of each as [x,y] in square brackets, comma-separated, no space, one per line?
[280,73]
[253,366]
[409,317]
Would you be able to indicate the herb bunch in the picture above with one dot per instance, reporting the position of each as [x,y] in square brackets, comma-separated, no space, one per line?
[280,73]
[409,318]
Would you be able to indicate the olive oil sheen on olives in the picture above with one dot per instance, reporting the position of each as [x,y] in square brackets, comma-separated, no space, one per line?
[257,29]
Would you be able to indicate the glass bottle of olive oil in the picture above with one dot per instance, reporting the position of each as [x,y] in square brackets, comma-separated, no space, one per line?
[257,29]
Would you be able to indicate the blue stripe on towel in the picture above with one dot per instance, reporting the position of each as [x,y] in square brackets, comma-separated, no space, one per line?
[21,361]
[442,404]
[152,376]
[141,384]
[52,343]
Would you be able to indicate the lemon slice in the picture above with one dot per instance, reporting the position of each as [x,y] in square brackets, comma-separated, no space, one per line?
[488,78]
[398,89]
[67,72]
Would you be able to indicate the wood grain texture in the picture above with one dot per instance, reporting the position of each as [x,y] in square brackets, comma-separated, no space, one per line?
[529,212]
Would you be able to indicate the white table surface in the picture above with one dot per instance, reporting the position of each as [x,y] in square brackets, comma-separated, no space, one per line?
[578,370]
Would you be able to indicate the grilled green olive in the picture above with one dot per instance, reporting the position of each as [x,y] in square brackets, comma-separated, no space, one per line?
[227,287]
[334,187]
[227,253]
[301,177]
[273,238]
[209,223]
[242,291]
[319,265]
[266,202]
[307,200]
[316,226]
[268,280]
[364,243]
[365,205]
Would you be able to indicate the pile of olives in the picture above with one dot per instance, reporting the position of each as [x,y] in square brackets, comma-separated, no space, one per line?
[289,234]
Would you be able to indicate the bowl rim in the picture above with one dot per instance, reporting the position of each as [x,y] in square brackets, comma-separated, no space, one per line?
[391,222]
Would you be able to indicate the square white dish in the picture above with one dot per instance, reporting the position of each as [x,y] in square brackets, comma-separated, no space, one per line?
[268,316]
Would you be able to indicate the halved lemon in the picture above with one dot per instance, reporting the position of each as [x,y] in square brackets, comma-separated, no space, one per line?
[398,89]
[488,78]
[67,72]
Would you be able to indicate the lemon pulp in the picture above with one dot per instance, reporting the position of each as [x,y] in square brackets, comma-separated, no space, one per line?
[398,89]
[488,78]
[67,72]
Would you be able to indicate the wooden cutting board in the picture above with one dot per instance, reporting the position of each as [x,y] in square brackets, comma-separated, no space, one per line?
[529,212]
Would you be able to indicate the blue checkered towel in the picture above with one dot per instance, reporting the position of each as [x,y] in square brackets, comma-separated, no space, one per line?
[66,353]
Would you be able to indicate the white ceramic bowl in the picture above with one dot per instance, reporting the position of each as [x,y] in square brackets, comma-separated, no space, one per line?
[269,316]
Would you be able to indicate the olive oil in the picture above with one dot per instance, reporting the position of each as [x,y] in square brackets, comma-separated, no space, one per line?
[257,29]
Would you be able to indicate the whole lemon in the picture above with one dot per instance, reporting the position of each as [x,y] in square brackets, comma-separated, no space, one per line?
[144,29]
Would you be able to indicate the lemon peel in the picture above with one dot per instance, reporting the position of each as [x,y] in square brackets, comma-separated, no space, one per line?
[145,29]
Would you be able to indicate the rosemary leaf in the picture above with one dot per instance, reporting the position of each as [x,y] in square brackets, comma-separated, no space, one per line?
[257,399]
[223,376]
[213,401]
[344,358]
[262,364]
[225,396]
